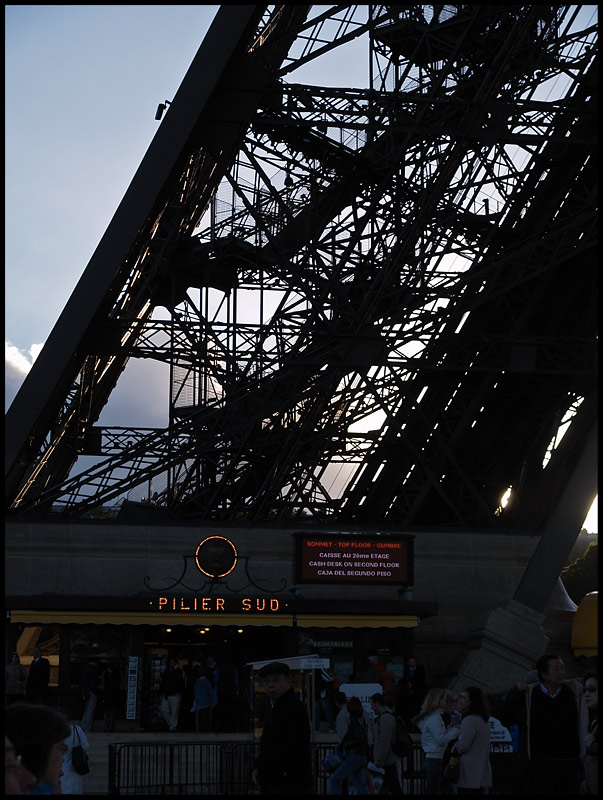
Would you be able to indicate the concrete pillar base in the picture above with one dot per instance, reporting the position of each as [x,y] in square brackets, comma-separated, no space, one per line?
[503,647]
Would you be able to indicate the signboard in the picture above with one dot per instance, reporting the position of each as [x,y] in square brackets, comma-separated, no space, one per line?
[295,662]
[501,740]
[364,692]
[314,663]
[196,604]
[347,558]
[132,687]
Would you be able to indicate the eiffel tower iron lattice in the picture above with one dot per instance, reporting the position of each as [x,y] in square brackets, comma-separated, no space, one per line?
[377,304]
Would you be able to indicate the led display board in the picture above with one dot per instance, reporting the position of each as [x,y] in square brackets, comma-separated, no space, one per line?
[347,558]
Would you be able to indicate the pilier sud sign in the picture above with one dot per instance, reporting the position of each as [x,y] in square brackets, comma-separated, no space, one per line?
[330,558]
[232,605]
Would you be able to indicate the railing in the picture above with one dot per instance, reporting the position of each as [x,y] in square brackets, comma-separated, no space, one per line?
[214,768]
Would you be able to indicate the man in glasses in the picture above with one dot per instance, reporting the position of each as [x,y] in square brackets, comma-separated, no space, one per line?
[548,718]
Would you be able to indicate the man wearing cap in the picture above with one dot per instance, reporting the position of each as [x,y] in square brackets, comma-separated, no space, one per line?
[283,765]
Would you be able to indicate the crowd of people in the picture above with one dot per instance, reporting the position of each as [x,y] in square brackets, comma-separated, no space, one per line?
[205,697]
[555,720]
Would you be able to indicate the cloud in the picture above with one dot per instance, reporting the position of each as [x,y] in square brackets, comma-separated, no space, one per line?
[16,366]
[139,399]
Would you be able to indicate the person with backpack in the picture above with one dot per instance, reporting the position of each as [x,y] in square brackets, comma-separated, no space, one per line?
[355,748]
[383,750]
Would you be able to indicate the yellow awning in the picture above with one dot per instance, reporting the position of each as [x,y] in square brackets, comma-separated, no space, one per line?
[585,628]
[239,620]
[356,621]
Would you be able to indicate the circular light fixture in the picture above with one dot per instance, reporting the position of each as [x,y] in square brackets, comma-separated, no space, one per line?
[216,556]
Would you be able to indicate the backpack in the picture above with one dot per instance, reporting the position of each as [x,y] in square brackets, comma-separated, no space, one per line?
[356,738]
[402,742]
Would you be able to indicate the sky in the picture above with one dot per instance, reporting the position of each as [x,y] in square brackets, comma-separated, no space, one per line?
[82,85]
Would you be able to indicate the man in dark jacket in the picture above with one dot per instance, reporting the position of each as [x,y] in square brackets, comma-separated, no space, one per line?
[283,765]
[547,715]
[89,687]
[38,678]
[412,688]
[171,687]
[111,688]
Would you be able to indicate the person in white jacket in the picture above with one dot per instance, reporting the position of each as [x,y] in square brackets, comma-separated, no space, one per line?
[434,737]
[72,781]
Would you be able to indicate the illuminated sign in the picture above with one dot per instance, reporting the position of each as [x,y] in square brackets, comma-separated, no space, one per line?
[216,556]
[199,605]
[342,558]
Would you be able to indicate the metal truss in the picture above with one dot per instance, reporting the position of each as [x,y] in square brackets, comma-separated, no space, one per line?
[376,303]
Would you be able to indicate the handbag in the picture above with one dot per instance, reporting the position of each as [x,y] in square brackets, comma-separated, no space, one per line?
[376,775]
[79,757]
[333,760]
[451,771]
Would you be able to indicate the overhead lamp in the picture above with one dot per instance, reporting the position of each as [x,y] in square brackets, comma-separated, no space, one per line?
[161,108]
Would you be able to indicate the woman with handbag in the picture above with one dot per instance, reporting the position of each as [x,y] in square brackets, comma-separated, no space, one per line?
[472,747]
[71,780]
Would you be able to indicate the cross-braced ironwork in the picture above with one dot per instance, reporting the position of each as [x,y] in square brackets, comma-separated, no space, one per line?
[377,303]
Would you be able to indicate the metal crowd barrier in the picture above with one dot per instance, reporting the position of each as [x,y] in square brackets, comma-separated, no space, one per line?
[214,768]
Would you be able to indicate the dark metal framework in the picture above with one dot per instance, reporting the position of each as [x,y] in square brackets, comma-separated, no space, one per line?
[377,304]
[220,768]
